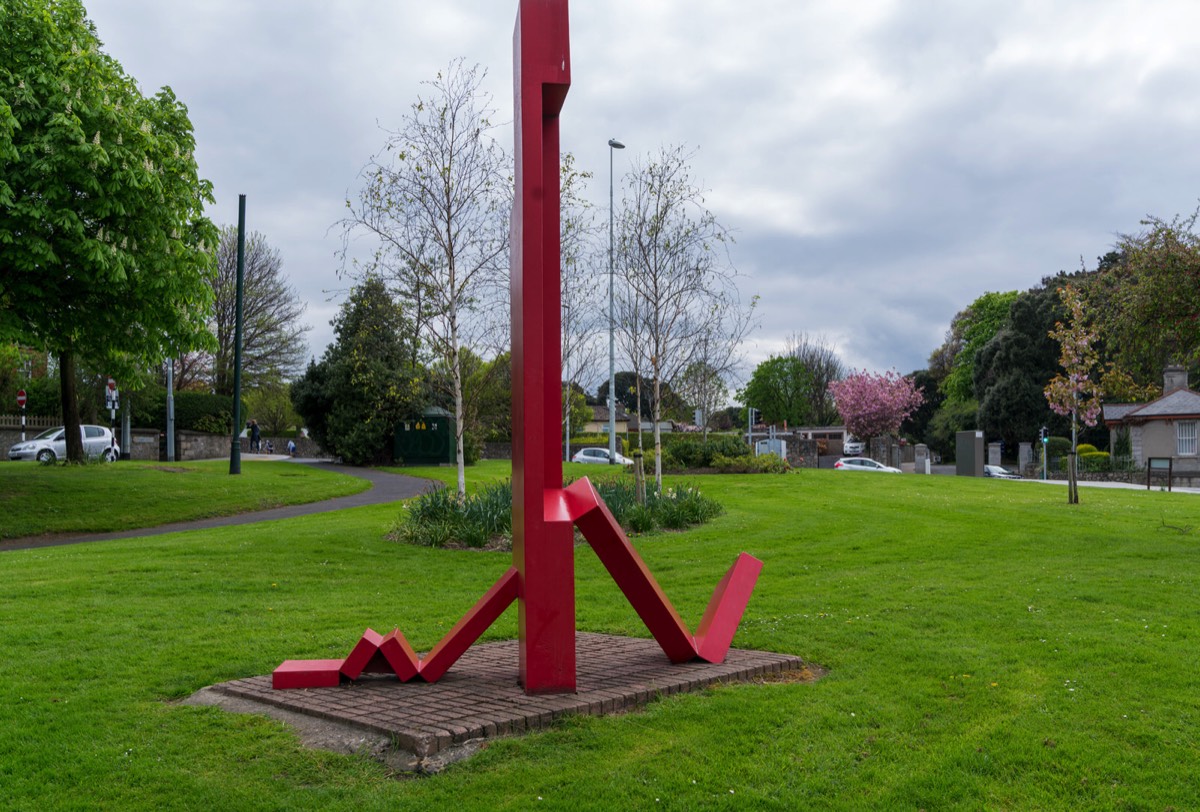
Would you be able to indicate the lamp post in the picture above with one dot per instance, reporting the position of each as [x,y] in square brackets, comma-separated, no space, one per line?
[612,321]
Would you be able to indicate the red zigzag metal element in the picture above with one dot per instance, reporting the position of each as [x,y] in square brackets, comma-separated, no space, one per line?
[580,505]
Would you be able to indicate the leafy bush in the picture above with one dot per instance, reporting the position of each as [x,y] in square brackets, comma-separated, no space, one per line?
[762,464]
[44,397]
[1086,448]
[1094,461]
[677,508]
[214,423]
[692,451]
[442,517]
[1058,446]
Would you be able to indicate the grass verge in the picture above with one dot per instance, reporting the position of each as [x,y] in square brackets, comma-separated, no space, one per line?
[990,647]
[38,499]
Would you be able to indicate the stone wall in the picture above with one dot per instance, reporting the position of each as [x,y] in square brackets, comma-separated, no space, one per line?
[144,446]
[802,453]
[1180,479]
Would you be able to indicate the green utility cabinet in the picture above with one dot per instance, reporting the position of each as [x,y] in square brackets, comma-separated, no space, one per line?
[426,440]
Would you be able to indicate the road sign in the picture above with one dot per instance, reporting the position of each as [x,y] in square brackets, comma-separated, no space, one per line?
[21,398]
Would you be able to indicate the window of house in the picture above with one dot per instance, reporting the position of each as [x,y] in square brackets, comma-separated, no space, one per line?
[1185,435]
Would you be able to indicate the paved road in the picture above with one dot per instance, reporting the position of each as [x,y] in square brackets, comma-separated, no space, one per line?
[385,488]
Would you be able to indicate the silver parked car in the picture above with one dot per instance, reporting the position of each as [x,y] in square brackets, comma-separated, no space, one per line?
[863,464]
[599,455]
[51,445]
[999,472]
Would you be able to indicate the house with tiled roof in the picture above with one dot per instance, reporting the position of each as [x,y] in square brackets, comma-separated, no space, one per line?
[599,422]
[1166,427]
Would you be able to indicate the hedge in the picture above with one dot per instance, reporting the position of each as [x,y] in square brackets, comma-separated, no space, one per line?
[194,411]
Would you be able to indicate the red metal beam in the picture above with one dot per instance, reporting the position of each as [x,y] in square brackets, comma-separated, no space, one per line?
[543,551]
[474,623]
[725,609]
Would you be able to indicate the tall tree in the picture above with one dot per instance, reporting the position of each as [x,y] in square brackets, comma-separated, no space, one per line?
[874,405]
[716,355]
[824,367]
[970,330]
[103,242]
[1013,368]
[1077,392]
[781,389]
[273,344]
[1146,296]
[916,425]
[580,289]
[632,393]
[365,383]
[703,387]
[436,201]
[270,403]
[677,270]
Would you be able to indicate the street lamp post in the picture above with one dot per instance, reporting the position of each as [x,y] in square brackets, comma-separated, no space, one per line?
[612,321]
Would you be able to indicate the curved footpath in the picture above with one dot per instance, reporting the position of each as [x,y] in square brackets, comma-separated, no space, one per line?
[384,488]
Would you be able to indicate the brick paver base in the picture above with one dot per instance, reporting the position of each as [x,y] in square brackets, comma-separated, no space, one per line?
[479,697]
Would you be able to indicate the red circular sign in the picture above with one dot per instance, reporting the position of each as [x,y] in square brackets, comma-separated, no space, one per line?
[112,385]
[21,398]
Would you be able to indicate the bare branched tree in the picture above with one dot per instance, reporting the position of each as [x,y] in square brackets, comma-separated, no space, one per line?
[436,201]
[630,339]
[580,285]
[716,355]
[822,362]
[677,272]
[273,343]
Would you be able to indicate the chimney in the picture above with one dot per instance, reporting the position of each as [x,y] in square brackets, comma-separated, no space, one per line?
[1174,377]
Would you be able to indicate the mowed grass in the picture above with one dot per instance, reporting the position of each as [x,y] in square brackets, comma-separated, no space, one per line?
[97,498]
[989,647]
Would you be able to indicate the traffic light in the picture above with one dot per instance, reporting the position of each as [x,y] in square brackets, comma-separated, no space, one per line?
[1044,436]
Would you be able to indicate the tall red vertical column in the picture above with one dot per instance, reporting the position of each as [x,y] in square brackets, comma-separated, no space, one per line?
[543,551]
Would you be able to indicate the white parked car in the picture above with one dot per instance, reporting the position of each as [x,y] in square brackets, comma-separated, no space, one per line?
[51,445]
[863,464]
[599,455]
[852,447]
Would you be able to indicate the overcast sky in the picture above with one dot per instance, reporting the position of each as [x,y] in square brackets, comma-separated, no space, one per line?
[882,163]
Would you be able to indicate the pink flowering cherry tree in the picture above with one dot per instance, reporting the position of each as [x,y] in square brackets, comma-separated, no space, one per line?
[1076,393]
[874,405]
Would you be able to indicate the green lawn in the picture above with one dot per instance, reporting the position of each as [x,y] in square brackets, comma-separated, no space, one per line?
[989,647]
[98,498]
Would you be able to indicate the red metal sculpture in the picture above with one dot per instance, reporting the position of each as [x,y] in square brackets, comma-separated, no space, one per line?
[542,578]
